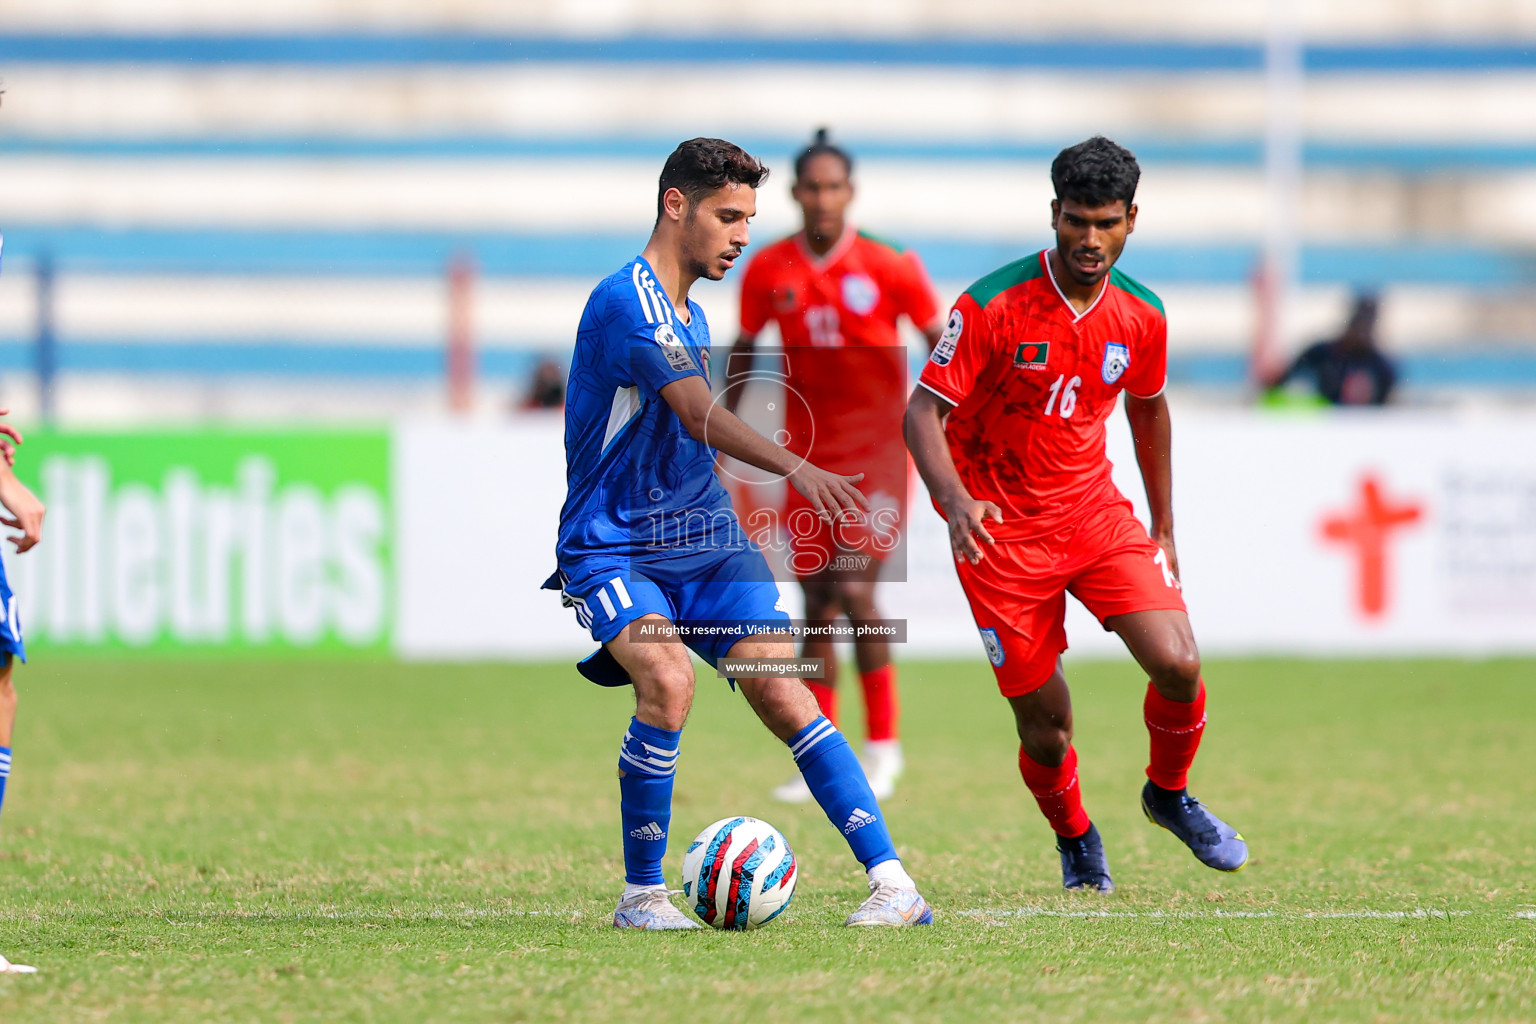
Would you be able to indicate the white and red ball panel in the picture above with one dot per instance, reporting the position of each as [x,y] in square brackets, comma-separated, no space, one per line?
[739,873]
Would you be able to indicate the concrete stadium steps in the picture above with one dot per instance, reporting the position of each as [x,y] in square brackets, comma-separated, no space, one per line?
[925,103]
[1467,159]
[378,312]
[129,399]
[1476,266]
[892,19]
[394,319]
[245,219]
[981,199]
[242,358]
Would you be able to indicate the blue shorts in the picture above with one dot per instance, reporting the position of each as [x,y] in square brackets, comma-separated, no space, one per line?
[719,595]
[10,619]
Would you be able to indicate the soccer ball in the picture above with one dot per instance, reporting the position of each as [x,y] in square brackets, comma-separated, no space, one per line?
[739,873]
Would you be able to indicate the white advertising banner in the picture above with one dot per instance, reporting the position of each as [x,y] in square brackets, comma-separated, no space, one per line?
[1361,532]
[477,508]
[1331,532]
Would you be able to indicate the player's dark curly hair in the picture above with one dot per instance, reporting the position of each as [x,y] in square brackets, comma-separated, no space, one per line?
[700,166]
[1096,173]
[819,145]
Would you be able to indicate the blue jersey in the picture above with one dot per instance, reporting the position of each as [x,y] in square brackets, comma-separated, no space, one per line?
[639,486]
[10,618]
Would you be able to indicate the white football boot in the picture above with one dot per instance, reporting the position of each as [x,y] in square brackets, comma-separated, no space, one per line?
[793,791]
[652,910]
[6,967]
[892,906]
[883,765]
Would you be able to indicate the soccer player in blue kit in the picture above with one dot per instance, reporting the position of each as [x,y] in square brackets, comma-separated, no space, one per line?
[648,538]
[26,515]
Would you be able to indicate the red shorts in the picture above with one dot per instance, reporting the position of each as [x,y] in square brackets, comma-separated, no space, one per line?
[840,547]
[1018,593]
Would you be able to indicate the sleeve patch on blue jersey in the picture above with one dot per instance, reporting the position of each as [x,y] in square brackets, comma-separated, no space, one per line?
[676,352]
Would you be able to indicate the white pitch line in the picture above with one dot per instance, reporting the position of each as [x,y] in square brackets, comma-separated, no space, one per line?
[992,913]
[1211,915]
[370,915]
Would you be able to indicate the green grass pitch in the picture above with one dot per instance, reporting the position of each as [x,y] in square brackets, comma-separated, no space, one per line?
[330,841]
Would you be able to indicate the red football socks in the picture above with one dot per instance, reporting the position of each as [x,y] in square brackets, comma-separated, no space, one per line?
[1175,729]
[881,708]
[880,705]
[1057,793]
[826,699]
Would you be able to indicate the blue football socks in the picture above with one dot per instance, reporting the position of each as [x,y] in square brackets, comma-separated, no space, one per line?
[836,780]
[5,771]
[647,764]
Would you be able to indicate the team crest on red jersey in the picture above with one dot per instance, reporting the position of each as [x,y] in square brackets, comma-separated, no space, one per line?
[860,294]
[995,653]
[1032,355]
[1117,359]
[784,300]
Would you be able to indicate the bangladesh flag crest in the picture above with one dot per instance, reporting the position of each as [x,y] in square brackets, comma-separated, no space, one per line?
[1032,355]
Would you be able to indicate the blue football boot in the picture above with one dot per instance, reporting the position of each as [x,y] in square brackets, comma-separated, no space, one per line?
[1215,843]
[1083,864]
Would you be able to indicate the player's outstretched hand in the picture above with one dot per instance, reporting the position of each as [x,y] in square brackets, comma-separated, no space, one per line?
[829,493]
[966,517]
[10,437]
[26,512]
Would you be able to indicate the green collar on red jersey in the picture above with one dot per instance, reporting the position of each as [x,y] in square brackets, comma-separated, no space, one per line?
[1003,278]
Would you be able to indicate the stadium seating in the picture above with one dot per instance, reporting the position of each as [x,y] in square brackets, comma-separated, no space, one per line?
[249,211]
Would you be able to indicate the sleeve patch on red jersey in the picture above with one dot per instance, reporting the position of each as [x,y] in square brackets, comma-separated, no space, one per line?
[944,351]
[1117,359]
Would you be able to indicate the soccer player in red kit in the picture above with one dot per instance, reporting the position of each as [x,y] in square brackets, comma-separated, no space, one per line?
[1007,429]
[837,295]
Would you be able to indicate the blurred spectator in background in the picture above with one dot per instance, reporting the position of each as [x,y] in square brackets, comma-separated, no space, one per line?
[1349,369]
[547,388]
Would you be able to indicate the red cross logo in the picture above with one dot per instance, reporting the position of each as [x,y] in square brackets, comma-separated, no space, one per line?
[1367,527]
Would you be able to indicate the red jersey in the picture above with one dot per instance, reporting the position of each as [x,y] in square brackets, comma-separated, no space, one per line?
[1033,382]
[837,317]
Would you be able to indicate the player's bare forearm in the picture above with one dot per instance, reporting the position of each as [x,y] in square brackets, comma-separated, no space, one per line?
[737,365]
[26,512]
[923,427]
[724,431]
[1152,431]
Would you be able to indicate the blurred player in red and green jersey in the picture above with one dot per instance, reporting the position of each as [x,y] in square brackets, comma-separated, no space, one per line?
[1007,428]
[837,296]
